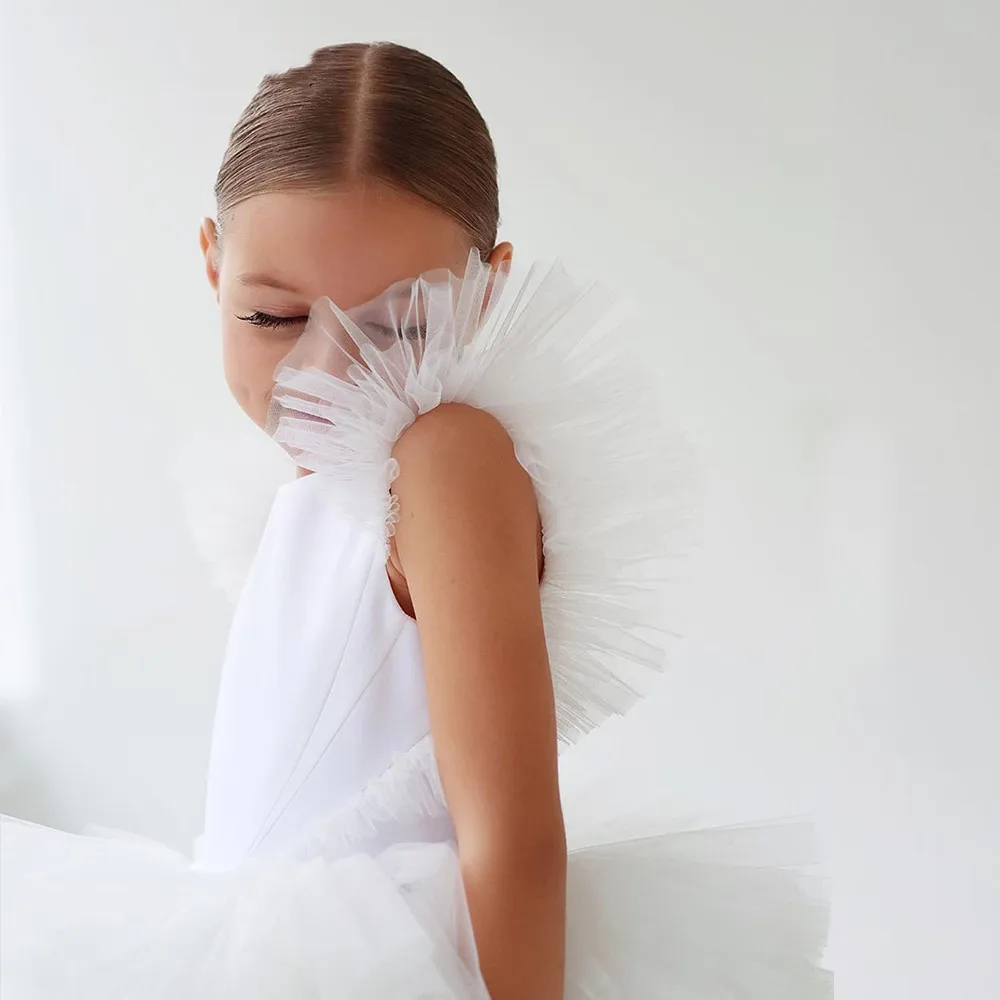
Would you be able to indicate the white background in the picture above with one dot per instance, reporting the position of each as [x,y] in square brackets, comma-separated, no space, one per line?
[803,195]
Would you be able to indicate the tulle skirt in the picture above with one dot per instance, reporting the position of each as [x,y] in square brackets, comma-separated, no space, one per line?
[716,914]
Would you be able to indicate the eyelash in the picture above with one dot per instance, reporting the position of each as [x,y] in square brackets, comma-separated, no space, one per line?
[267,320]
[272,322]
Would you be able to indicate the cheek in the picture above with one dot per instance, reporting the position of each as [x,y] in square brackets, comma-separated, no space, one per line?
[249,361]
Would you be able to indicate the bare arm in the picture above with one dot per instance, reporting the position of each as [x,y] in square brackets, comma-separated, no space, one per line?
[467,545]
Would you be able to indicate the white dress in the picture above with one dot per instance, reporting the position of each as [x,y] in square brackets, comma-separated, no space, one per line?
[328,867]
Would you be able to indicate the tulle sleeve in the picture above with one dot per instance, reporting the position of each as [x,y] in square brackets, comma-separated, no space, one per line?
[564,371]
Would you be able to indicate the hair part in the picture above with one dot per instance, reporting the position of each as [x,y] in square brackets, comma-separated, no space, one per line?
[367,111]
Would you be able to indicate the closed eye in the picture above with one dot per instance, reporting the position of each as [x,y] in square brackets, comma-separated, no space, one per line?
[268,320]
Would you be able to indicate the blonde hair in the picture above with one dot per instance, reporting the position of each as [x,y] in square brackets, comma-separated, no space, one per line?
[360,111]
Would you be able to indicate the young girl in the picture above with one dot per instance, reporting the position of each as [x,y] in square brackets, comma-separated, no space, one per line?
[466,577]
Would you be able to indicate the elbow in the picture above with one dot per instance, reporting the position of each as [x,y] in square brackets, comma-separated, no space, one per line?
[542,856]
[533,854]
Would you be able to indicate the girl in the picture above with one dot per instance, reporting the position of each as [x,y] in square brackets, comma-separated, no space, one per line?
[465,579]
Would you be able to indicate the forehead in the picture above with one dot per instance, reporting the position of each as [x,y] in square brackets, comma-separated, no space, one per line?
[349,245]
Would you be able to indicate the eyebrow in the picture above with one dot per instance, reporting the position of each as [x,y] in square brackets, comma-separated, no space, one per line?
[258,279]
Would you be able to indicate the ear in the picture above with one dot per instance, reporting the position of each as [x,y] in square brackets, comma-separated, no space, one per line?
[500,257]
[208,237]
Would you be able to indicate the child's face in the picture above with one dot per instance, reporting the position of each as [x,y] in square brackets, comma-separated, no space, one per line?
[281,252]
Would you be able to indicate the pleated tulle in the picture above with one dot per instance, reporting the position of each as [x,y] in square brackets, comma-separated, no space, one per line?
[109,918]
[721,914]
[562,366]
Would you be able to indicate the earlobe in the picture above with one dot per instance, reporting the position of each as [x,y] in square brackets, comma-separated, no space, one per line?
[209,240]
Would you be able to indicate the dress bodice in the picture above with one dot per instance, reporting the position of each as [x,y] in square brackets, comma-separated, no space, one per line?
[322,685]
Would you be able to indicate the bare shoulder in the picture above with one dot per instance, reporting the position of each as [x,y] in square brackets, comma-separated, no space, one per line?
[459,451]
[462,493]
[451,432]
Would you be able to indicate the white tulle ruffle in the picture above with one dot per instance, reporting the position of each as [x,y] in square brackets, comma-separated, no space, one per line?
[698,915]
[108,918]
[556,363]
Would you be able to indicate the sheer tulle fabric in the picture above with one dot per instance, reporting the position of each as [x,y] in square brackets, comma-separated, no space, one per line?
[559,365]
[698,915]
[655,910]
[117,918]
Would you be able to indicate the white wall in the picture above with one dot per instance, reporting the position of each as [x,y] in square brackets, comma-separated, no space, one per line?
[804,195]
